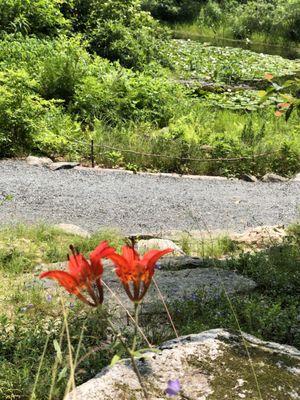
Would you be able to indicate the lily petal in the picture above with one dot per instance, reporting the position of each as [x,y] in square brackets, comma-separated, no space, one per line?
[152,256]
[65,279]
[79,268]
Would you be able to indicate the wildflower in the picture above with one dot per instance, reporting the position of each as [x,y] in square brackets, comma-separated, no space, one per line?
[173,387]
[48,297]
[138,271]
[83,274]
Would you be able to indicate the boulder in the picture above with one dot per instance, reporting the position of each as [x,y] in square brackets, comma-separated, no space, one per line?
[248,178]
[296,178]
[212,365]
[160,244]
[183,262]
[74,230]
[273,178]
[260,237]
[186,284]
[39,161]
[63,165]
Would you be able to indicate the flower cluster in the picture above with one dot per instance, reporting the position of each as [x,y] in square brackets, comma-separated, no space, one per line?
[84,276]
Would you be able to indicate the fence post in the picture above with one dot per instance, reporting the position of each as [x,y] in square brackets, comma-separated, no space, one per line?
[92,154]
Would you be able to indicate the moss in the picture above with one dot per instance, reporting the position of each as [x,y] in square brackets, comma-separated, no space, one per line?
[232,376]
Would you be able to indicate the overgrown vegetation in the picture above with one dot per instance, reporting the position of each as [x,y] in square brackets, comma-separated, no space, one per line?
[271,312]
[75,71]
[30,316]
[263,20]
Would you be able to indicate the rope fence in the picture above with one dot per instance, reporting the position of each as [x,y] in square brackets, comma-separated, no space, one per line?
[93,146]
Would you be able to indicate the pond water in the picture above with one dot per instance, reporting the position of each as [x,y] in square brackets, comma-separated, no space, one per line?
[285,51]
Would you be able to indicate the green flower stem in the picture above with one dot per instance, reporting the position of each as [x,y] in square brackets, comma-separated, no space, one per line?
[136,324]
[131,356]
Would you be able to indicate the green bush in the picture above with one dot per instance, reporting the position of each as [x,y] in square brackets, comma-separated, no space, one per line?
[20,109]
[120,95]
[275,19]
[17,51]
[173,10]
[213,15]
[287,20]
[63,69]
[41,17]
[121,31]
[29,122]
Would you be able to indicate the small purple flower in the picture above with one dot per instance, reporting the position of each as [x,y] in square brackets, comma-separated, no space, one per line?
[71,305]
[173,387]
[49,297]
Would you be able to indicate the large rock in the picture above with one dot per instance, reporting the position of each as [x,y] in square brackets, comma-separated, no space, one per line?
[296,178]
[176,286]
[73,229]
[186,284]
[39,161]
[184,262]
[145,245]
[260,237]
[248,178]
[63,165]
[270,177]
[212,365]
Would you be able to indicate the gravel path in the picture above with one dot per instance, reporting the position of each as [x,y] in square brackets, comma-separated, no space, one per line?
[141,203]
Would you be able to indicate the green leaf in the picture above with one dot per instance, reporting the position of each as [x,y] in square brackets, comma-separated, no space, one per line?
[58,351]
[62,374]
[116,358]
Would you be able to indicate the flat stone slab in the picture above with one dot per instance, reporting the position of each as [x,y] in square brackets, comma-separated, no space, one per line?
[274,178]
[212,365]
[296,178]
[186,284]
[175,286]
[73,229]
[145,245]
[63,165]
[39,161]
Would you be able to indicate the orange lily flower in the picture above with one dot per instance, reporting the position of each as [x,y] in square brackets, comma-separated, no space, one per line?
[138,271]
[83,274]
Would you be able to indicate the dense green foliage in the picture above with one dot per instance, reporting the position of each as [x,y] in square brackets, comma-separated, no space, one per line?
[109,71]
[173,10]
[41,17]
[273,20]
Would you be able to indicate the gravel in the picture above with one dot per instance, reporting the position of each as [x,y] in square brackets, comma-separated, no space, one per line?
[141,203]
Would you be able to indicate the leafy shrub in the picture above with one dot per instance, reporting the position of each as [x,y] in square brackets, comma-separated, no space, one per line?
[119,30]
[212,15]
[59,135]
[20,109]
[63,69]
[173,10]
[27,121]
[42,17]
[287,20]
[121,95]
[277,19]
[17,51]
